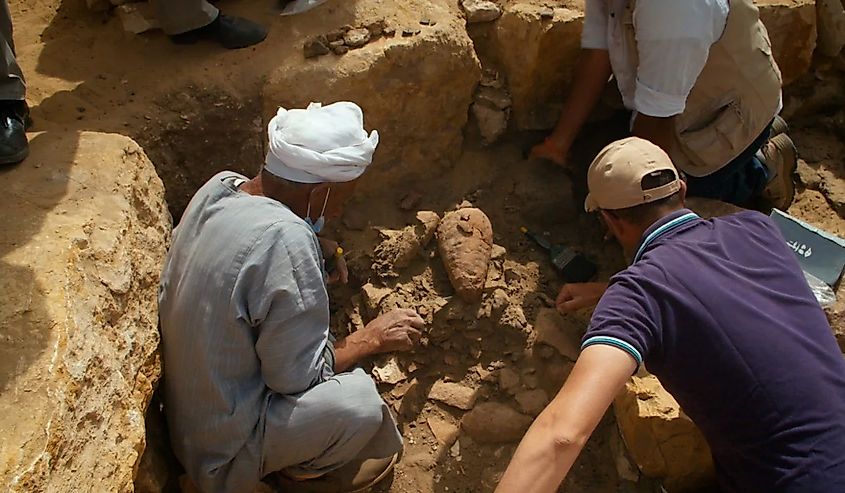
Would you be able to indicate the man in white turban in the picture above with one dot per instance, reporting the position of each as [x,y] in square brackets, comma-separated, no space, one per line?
[255,384]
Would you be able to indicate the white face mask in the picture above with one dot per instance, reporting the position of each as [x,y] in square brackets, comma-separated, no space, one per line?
[317,225]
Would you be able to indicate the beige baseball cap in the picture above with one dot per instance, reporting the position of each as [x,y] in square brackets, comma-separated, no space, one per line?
[615,177]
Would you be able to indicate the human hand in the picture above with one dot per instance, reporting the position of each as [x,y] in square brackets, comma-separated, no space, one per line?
[340,271]
[396,330]
[575,296]
[550,151]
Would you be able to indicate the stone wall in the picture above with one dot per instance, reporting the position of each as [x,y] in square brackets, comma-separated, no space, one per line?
[414,88]
[84,233]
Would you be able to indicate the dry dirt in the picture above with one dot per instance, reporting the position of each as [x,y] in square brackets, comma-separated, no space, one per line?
[85,73]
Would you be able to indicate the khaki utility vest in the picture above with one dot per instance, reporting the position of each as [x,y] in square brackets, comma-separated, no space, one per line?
[735,97]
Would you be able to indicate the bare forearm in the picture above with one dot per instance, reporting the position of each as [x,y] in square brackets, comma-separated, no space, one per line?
[553,442]
[354,348]
[592,73]
[541,462]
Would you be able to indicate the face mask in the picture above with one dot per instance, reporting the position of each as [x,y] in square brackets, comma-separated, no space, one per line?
[317,225]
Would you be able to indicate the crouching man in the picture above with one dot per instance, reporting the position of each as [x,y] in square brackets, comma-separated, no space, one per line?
[720,312]
[255,383]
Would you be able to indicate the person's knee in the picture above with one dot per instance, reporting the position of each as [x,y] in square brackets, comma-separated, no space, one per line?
[359,404]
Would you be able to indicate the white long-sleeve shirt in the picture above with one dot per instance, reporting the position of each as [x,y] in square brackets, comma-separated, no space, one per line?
[673,43]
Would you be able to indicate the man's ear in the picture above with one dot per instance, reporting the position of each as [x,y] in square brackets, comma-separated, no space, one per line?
[682,193]
[611,221]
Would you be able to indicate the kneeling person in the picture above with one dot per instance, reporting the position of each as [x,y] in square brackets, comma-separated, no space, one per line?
[720,312]
[255,383]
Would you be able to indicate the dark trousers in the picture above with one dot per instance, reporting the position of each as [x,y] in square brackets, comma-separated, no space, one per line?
[11,78]
[739,181]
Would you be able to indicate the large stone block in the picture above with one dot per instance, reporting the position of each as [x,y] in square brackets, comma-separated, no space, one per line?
[84,231]
[416,89]
[792,31]
[537,57]
[661,439]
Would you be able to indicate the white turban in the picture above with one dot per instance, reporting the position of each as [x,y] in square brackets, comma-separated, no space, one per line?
[320,144]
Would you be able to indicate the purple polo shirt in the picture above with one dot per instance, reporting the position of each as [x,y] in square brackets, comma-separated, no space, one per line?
[720,312]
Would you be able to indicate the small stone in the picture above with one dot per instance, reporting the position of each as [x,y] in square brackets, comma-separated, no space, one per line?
[500,301]
[390,372]
[377,28]
[546,352]
[389,32]
[481,11]
[427,22]
[551,329]
[455,451]
[532,401]
[547,13]
[409,31]
[137,17]
[496,98]
[494,422]
[445,432]
[336,35]
[490,78]
[401,389]
[508,380]
[492,123]
[453,394]
[356,38]
[531,380]
[372,296]
[316,47]
[497,252]
[339,48]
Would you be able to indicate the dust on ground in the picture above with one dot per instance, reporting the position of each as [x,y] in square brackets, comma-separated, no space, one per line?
[84,73]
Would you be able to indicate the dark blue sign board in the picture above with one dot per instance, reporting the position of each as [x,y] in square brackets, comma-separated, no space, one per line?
[819,252]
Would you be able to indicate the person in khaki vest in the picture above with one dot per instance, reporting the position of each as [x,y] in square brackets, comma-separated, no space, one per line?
[701,82]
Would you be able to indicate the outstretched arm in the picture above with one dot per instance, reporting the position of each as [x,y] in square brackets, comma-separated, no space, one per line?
[592,73]
[548,450]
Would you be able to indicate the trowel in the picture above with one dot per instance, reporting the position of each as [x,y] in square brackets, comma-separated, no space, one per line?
[572,265]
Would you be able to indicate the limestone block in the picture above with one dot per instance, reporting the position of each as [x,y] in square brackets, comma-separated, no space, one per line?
[661,439]
[84,231]
[792,31]
[537,57]
[415,90]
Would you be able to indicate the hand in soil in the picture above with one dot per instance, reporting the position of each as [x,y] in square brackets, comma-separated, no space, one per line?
[339,272]
[573,297]
[550,151]
[396,330]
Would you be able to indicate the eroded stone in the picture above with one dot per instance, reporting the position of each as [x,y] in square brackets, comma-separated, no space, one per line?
[494,422]
[481,11]
[661,439]
[453,394]
[85,229]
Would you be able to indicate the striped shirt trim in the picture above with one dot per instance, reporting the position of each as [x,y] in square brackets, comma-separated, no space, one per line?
[673,224]
[615,342]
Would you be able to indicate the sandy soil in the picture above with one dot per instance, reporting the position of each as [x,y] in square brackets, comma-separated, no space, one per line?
[85,73]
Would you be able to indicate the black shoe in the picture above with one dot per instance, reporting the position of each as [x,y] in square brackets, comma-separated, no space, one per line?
[14,118]
[231,32]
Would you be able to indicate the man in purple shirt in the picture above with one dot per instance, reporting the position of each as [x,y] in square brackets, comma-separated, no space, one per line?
[720,312]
